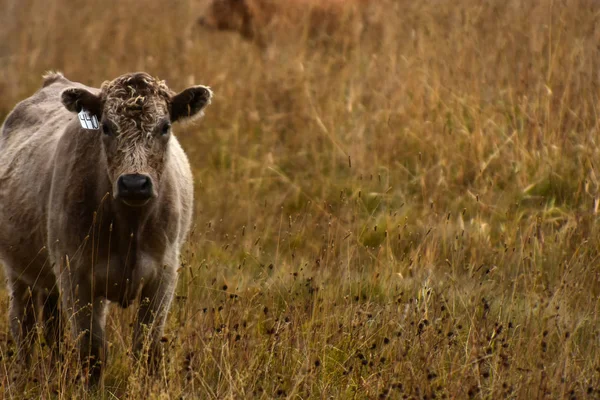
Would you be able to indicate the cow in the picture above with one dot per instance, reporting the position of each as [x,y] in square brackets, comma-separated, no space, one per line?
[96,198]
[265,21]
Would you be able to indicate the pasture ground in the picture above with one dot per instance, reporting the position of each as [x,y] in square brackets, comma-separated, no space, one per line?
[412,217]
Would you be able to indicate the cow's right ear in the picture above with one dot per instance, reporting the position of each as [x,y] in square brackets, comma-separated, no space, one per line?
[76,99]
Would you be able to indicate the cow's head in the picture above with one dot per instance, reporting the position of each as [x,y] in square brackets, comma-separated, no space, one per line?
[135,113]
[228,15]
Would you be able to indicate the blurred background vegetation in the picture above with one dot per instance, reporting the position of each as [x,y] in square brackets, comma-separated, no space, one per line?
[412,215]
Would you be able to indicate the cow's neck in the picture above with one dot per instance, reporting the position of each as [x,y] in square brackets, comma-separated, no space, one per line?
[131,220]
[128,223]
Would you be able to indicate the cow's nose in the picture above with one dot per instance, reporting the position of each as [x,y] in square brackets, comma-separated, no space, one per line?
[201,21]
[136,187]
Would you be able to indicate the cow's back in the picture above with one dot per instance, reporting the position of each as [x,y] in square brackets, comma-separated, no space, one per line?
[42,109]
[28,139]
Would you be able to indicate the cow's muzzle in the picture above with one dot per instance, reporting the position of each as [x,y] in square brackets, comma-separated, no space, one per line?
[135,190]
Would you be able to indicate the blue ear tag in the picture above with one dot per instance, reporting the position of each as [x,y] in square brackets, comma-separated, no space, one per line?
[87,120]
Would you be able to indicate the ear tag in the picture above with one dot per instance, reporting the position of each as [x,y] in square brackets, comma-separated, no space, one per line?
[87,120]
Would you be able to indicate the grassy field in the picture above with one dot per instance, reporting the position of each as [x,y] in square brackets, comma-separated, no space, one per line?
[414,216]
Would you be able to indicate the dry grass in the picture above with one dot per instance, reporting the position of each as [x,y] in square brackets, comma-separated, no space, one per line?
[414,217]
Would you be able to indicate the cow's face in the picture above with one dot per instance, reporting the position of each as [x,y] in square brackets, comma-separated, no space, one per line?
[227,15]
[135,113]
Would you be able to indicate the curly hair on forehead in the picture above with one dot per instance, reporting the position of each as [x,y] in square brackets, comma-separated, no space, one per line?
[139,82]
[135,100]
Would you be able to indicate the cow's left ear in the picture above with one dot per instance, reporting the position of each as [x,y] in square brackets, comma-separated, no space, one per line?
[190,103]
[76,99]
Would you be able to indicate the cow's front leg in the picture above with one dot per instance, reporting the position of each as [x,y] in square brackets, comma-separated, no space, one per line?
[52,320]
[87,315]
[152,314]
[23,315]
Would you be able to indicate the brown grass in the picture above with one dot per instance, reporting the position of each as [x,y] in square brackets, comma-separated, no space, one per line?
[414,217]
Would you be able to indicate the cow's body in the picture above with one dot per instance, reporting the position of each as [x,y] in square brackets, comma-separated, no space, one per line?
[63,231]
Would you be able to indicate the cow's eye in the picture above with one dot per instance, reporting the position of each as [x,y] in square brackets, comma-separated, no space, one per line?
[164,130]
[106,129]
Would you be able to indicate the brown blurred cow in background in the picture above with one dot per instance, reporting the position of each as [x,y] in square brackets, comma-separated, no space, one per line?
[267,21]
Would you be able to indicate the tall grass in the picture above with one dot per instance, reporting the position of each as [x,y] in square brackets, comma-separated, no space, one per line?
[411,217]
